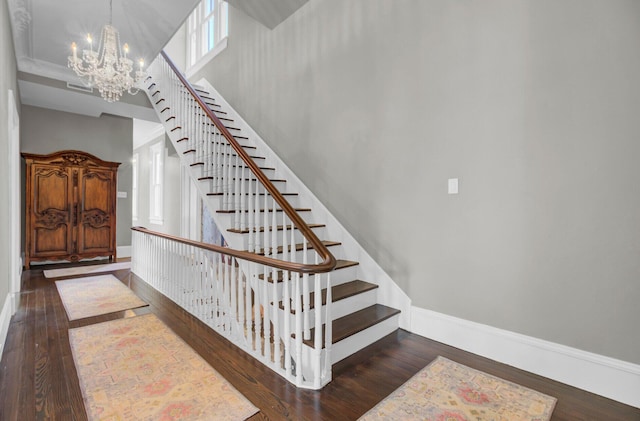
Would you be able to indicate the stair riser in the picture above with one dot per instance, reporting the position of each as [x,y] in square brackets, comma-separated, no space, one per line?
[212,187]
[218,202]
[230,153]
[228,219]
[201,171]
[343,307]
[310,254]
[243,239]
[350,345]
[338,277]
[355,343]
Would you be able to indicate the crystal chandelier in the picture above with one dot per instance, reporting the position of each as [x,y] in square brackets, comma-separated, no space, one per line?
[107,68]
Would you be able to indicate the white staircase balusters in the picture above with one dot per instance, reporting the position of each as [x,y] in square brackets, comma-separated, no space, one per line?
[229,290]
[317,340]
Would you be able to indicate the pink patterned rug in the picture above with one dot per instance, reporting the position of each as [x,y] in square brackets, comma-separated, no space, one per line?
[95,295]
[138,369]
[448,391]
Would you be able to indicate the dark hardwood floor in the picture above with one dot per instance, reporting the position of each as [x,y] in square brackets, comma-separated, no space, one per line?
[38,379]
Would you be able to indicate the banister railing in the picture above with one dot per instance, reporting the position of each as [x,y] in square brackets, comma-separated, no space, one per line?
[327,261]
[266,291]
[230,292]
[238,254]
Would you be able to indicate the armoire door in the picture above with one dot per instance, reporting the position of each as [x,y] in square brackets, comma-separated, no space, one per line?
[51,204]
[96,213]
[70,207]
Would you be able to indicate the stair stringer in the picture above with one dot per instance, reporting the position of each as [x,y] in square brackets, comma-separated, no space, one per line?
[388,293]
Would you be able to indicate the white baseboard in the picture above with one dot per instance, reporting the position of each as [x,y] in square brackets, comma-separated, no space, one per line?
[5,319]
[605,376]
[123,251]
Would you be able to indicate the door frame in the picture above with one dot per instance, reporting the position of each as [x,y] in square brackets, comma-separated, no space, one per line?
[15,248]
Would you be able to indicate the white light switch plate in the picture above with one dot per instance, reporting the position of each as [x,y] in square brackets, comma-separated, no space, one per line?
[122,195]
[452,186]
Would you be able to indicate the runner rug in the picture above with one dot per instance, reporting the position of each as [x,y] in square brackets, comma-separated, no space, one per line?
[445,390]
[138,369]
[95,295]
[86,270]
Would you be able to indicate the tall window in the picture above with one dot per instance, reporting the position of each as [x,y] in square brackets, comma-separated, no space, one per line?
[206,28]
[156,183]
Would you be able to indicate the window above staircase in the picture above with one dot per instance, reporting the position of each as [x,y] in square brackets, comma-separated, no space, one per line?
[207,31]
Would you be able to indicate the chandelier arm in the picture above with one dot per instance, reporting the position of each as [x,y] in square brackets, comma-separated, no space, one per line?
[107,68]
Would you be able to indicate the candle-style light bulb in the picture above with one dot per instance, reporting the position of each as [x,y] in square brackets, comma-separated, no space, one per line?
[74,47]
[125,47]
[141,63]
[90,41]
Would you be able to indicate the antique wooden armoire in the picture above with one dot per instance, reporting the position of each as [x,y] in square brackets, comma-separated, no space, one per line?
[70,207]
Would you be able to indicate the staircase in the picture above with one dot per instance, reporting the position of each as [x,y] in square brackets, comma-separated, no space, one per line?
[337,314]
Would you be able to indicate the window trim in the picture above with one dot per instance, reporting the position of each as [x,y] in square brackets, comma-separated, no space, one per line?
[197,25]
[156,190]
[198,65]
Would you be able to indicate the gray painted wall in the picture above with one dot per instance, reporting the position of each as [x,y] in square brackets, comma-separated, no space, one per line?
[108,137]
[176,48]
[532,104]
[171,194]
[7,81]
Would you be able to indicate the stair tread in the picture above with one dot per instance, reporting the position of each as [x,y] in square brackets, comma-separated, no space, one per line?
[340,264]
[215,111]
[253,194]
[210,177]
[262,210]
[340,292]
[182,139]
[300,246]
[236,166]
[188,151]
[356,322]
[273,180]
[237,138]
[278,228]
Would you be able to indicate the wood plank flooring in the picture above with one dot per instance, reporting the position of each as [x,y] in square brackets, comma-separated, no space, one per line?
[38,378]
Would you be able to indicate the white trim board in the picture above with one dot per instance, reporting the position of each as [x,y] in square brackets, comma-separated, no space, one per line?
[123,251]
[608,377]
[5,320]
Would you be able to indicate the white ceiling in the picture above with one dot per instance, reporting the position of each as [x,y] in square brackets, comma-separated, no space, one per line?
[43,31]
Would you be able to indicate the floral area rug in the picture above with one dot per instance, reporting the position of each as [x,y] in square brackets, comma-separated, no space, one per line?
[86,270]
[95,295]
[138,369]
[448,391]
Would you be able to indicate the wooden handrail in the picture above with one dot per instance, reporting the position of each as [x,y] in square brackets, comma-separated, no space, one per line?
[328,261]
[239,254]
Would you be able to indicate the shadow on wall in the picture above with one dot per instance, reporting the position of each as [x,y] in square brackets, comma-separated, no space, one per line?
[210,232]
